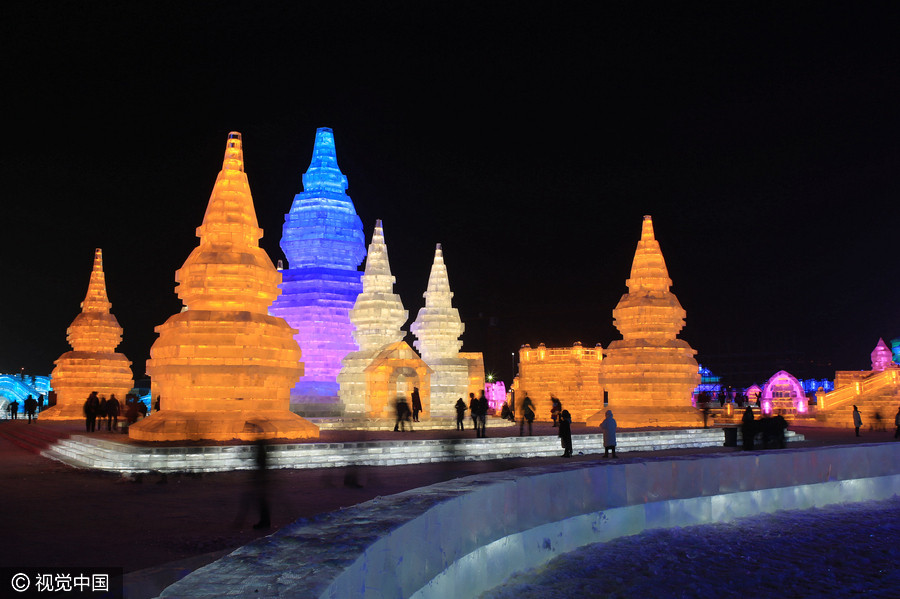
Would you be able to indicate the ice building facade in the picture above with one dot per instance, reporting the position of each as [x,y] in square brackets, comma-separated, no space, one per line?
[649,374]
[438,328]
[93,364]
[324,244]
[384,367]
[224,367]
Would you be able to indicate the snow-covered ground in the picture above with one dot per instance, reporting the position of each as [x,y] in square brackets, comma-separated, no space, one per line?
[835,552]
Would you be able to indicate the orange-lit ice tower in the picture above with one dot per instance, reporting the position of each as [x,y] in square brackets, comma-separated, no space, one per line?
[93,365]
[650,373]
[223,367]
[437,329]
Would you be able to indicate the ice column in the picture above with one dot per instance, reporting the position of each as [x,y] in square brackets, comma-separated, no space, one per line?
[93,365]
[438,328]
[224,367]
[377,316]
[324,244]
[650,373]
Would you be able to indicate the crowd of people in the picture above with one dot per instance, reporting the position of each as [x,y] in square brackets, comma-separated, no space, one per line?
[98,408]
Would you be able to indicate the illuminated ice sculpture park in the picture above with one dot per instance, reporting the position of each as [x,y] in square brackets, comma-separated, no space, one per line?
[224,367]
[385,366]
[93,364]
[324,243]
[568,373]
[438,329]
[649,374]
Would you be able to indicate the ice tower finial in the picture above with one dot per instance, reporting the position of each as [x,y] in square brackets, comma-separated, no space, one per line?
[234,153]
[648,271]
[324,172]
[96,299]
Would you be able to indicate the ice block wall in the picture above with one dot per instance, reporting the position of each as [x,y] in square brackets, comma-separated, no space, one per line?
[324,243]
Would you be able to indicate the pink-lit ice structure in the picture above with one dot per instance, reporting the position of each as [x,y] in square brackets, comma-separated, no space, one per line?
[882,358]
[783,394]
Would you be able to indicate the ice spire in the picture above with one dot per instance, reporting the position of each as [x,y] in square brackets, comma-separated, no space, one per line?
[378,313]
[648,271]
[96,299]
[438,325]
[323,172]
[881,356]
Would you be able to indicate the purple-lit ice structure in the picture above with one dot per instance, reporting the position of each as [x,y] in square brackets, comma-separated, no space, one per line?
[783,394]
[881,357]
[496,395]
[324,243]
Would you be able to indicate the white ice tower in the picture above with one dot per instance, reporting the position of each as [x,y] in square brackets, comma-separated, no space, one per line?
[437,329]
[377,316]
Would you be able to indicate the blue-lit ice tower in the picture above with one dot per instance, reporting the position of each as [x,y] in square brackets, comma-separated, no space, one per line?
[324,243]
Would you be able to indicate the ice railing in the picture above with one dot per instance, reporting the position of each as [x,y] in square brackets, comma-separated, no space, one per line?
[845,396]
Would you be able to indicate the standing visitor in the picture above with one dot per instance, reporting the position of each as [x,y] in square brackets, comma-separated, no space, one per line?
[30,407]
[416,404]
[460,413]
[748,428]
[565,433]
[608,426]
[482,415]
[112,413]
[527,415]
[857,420]
[473,410]
[402,414]
[555,409]
[14,409]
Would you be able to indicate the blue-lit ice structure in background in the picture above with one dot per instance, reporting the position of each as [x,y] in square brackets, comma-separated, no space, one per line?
[324,243]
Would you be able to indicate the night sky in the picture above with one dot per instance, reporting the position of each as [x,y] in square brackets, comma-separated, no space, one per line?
[527,138]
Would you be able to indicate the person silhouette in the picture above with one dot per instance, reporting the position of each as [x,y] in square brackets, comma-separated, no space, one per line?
[460,413]
[857,420]
[565,433]
[608,426]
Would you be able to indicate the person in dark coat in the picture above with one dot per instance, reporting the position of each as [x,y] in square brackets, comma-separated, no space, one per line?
[565,433]
[473,410]
[555,409]
[91,405]
[403,413]
[897,424]
[416,404]
[748,428]
[527,415]
[112,413]
[30,407]
[482,415]
[857,419]
[101,413]
[14,410]
[460,413]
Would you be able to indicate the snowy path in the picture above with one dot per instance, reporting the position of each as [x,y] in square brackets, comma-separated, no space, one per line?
[834,552]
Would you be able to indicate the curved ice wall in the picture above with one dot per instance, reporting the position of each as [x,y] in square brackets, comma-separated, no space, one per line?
[324,243]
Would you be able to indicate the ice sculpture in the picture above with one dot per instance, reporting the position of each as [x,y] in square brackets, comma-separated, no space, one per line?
[384,366]
[567,373]
[437,329]
[649,374]
[224,367]
[783,394]
[895,350]
[93,365]
[881,357]
[324,244]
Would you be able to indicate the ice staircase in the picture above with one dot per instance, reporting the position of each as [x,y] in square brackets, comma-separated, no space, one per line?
[30,437]
[879,393]
[89,452]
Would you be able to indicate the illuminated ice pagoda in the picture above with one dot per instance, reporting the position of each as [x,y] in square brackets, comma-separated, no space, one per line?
[882,358]
[649,374]
[224,367]
[385,366]
[437,329]
[93,364]
[324,243]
